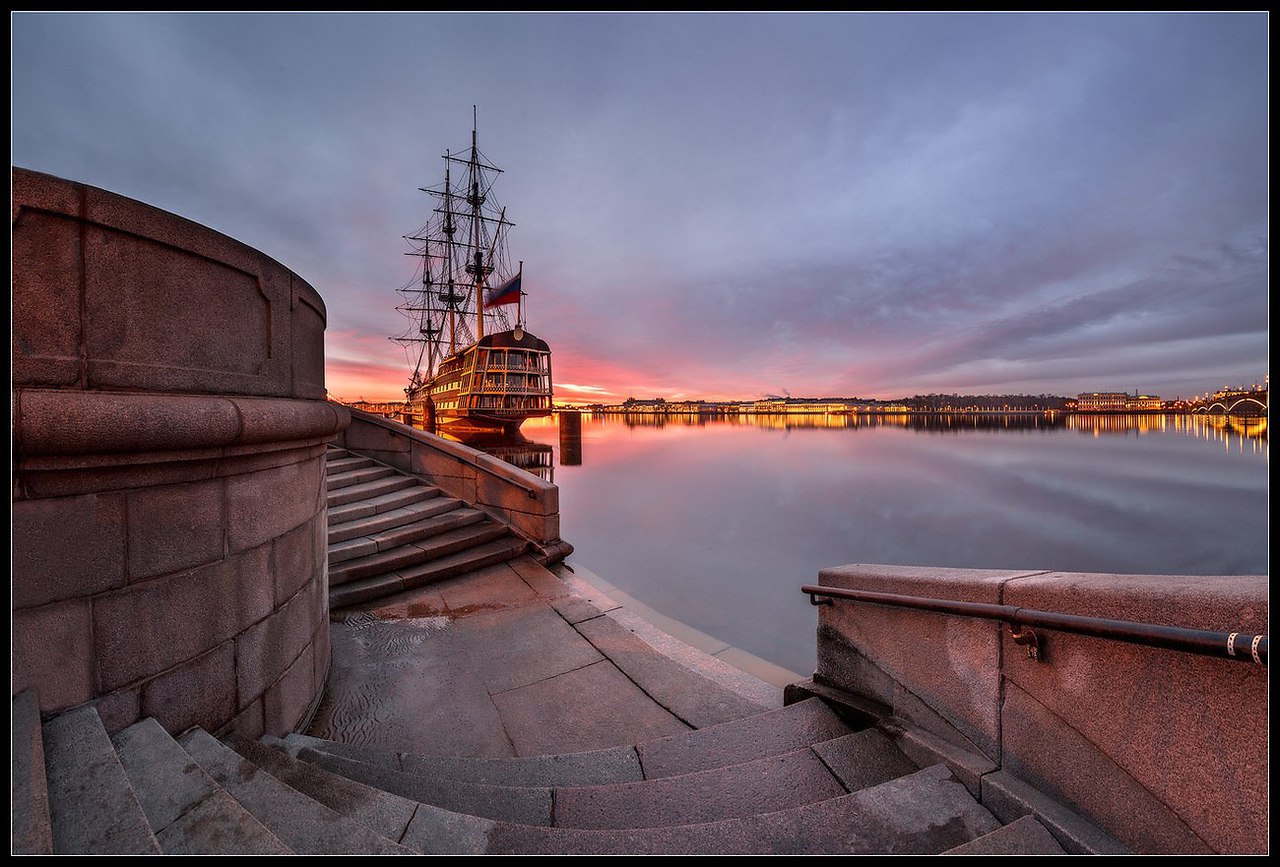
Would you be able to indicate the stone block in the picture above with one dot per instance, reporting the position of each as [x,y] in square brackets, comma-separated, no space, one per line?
[67,547]
[53,652]
[248,722]
[269,503]
[98,423]
[155,625]
[174,527]
[842,664]
[321,654]
[161,318]
[46,315]
[366,436]
[271,420]
[1048,753]
[1170,721]
[307,340]
[952,664]
[296,559]
[264,650]
[200,692]
[286,701]
[120,709]
[540,528]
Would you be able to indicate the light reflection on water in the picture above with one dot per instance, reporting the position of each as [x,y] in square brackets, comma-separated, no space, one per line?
[717,523]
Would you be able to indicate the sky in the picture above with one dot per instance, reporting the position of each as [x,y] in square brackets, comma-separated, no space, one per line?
[721,206]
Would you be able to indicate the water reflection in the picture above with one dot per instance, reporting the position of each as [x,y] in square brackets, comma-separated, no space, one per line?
[531,456]
[717,523]
[1232,431]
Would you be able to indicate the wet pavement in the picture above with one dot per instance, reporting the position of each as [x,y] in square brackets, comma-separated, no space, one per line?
[516,660]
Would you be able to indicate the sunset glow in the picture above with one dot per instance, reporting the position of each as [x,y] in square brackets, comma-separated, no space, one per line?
[720,206]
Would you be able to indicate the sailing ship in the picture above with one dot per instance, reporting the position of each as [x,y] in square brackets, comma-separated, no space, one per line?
[474,370]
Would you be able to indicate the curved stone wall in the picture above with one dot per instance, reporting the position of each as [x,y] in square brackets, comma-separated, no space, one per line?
[169,426]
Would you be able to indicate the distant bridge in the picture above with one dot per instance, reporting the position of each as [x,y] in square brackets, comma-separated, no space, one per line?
[1236,403]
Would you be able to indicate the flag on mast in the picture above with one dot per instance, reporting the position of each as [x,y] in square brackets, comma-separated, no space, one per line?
[507,293]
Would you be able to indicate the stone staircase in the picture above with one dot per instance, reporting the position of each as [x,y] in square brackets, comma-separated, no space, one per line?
[795,780]
[390,532]
[708,769]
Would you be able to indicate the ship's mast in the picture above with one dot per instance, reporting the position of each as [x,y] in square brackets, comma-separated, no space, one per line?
[448,233]
[477,258]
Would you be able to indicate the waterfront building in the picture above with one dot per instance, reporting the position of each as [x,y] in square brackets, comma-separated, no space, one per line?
[1117,401]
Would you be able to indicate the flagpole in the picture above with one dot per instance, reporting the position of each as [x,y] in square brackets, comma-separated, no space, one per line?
[520,297]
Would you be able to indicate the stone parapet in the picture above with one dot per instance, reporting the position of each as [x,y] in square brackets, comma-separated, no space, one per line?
[526,503]
[169,497]
[1164,750]
[109,293]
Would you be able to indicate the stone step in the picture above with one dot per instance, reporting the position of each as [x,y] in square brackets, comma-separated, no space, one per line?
[406,534]
[519,805]
[32,834]
[369,490]
[769,733]
[373,524]
[403,557]
[925,813]
[451,566]
[303,824]
[430,830]
[1023,836]
[357,476]
[384,503]
[763,786]
[92,806]
[382,812]
[334,465]
[189,812]
[595,767]
[864,758]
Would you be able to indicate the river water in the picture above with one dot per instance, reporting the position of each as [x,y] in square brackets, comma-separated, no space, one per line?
[717,523]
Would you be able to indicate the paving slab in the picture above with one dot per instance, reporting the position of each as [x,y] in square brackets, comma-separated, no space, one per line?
[521,646]
[92,806]
[585,709]
[491,589]
[770,733]
[763,786]
[681,690]
[397,684]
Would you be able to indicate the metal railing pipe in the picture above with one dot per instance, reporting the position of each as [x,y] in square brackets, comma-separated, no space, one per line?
[1239,646]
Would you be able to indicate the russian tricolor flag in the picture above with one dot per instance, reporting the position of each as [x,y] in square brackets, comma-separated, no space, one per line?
[507,293]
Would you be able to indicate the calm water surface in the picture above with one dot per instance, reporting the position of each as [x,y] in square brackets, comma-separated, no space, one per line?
[718,524]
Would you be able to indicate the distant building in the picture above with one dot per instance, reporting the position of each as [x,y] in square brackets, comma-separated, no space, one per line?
[1145,401]
[1102,401]
[1116,401]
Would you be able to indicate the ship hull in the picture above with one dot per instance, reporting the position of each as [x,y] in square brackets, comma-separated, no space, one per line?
[492,386]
